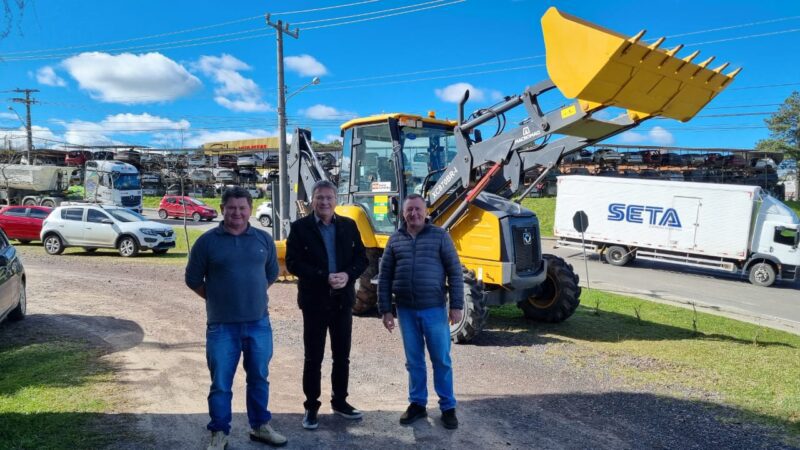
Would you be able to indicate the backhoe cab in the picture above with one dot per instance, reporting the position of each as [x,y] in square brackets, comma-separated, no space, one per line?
[469,182]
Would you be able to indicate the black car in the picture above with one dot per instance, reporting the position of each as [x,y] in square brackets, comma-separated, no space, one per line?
[12,282]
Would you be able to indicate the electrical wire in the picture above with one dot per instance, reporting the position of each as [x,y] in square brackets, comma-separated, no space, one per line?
[371,13]
[384,16]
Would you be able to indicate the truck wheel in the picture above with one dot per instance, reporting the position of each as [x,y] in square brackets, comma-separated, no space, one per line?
[265,221]
[29,202]
[559,294]
[49,203]
[53,244]
[162,214]
[762,274]
[366,292]
[128,247]
[196,217]
[474,313]
[617,255]
[18,313]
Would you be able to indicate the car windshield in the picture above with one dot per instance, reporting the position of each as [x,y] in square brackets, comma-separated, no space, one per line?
[127,181]
[126,215]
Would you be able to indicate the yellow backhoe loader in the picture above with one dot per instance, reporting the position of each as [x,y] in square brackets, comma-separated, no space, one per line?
[469,181]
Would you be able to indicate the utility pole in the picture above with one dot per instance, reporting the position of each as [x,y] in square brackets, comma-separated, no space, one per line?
[27,100]
[281,229]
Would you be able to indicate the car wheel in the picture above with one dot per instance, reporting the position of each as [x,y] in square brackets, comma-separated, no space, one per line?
[128,247]
[162,214]
[159,251]
[265,221]
[19,312]
[53,244]
[196,217]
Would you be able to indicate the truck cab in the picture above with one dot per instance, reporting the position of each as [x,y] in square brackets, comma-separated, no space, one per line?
[776,235]
[114,183]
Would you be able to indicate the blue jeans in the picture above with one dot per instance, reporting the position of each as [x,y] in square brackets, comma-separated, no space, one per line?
[224,343]
[427,327]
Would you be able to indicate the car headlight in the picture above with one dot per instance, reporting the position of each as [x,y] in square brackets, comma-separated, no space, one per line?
[149,231]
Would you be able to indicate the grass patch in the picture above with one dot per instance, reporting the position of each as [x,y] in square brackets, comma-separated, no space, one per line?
[545,209]
[52,395]
[755,369]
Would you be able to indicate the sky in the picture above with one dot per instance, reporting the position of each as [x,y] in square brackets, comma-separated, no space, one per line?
[181,73]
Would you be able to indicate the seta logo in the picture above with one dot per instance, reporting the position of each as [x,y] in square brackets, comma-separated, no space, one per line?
[653,215]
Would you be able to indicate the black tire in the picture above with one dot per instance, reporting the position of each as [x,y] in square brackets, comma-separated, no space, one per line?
[196,217]
[53,244]
[474,313]
[128,247]
[29,202]
[559,294]
[89,249]
[160,251]
[265,221]
[19,312]
[367,293]
[49,203]
[762,274]
[162,214]
[617,255]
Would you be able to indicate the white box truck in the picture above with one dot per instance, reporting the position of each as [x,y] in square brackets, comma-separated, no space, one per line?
[726,227]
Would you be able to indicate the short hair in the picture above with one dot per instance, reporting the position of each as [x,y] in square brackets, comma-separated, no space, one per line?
[236,192]
[413,196]
[323,184]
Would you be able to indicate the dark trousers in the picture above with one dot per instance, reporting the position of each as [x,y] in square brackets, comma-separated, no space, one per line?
[316,325]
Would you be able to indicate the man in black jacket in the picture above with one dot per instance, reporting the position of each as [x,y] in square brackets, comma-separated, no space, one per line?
[327,255]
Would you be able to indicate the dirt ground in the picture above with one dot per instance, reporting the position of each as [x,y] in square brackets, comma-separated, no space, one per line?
[516,388]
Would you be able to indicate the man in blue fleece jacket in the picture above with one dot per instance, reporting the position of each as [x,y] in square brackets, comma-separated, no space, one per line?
[417,260]
[231,267]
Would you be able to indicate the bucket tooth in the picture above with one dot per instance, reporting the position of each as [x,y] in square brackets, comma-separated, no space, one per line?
[674,50]
[734,73]
[706,62]
[692,56]
[631,41]
[722,67]
[657,43]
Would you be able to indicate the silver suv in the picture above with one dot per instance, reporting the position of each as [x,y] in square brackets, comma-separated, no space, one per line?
[94,226]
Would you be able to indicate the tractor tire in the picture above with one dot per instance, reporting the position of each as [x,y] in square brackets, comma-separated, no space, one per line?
[475,312]
[617,255]
[762,274]
[367,293]
[559,294]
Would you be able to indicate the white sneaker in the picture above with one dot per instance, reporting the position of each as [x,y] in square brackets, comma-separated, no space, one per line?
[219,441]
[267,435]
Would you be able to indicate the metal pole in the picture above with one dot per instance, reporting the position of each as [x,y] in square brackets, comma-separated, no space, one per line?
[28,123]
[283,175]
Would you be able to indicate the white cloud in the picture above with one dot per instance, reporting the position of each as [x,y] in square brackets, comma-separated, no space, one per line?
[9,116]
[454,92]
[234,91]
[305,65]
[131,79]
[47,76]
[88,133]
[326,112]
[657,135]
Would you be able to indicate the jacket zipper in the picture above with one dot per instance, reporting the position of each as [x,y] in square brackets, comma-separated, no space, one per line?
[413,266]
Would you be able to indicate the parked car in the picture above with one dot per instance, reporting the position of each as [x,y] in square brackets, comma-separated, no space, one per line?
[579,171]
[734,161]
[651,156]
[608,172]
[582,156]
[763,163]
[227,161]
[606,155]
[264,214]
[23,223]
[693,159]
[102,155]
[714,160]
[632,158]
[93,226]
[77,157]
[184,206]
[13,300]
[671,159]
[629,173]
[651,174]
[249,160]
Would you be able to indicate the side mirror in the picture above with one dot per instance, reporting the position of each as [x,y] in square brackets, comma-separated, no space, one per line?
[395,206]
[107,221]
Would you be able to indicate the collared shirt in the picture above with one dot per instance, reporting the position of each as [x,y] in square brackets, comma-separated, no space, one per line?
[236,271]
[328,232]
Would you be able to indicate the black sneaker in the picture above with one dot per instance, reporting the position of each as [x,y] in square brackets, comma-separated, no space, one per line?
[310,421]
[449,419]
[413,412]
[347,411]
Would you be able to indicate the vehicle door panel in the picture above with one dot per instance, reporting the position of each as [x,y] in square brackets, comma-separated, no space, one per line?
[97,233]
[8,293]
[71,227]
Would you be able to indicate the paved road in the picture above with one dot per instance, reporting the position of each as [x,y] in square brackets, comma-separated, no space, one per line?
[718,292]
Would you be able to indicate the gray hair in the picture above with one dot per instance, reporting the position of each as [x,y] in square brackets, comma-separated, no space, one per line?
[236,192]
[323,184]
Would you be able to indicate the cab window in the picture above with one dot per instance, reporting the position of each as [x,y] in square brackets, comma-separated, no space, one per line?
[785,236]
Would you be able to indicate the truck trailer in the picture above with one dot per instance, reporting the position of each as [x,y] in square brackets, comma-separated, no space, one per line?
[733,228]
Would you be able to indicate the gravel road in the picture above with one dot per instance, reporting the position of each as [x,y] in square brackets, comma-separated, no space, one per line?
[517,387]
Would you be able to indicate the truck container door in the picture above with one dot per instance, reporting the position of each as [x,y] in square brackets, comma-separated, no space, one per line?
[683,225]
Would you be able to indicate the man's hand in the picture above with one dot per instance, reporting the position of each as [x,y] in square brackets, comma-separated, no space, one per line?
[388,321]
[338,280]
[456,315]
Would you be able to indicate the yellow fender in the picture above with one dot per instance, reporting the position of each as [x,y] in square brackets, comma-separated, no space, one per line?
[605,68]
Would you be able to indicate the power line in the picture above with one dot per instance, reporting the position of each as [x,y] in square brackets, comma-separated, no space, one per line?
[371,13]
[731,27]
[384,16]
[739,38]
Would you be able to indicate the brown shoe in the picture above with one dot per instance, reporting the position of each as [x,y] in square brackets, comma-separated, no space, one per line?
[267,435]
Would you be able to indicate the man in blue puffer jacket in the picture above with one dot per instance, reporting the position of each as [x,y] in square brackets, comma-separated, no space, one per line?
[417,260]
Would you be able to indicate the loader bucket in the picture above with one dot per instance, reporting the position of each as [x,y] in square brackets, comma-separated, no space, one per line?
[593,64]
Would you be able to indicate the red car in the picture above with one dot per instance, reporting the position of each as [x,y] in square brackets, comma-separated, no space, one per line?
[77,157]
[173,206]
[23,223]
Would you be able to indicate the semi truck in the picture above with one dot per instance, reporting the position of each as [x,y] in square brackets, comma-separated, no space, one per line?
[113,183]
[733,228]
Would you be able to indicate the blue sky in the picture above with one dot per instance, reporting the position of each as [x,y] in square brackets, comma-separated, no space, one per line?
[166,74]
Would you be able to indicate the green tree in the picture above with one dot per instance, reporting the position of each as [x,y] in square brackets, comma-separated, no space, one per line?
[784,128]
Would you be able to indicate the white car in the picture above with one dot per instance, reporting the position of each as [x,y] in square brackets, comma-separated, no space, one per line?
[264,214]
[93,226]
